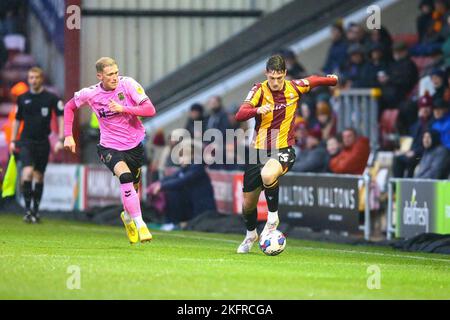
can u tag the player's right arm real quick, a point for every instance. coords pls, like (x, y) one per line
(81, 97)
(16, 125)
(252, 105)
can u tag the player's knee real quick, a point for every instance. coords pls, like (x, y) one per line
(27, 173)
(38, 176)
(268, 177)
(126, 177)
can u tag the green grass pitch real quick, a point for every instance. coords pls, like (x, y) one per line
(34, 262)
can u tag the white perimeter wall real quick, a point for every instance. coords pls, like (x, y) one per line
(149, 48)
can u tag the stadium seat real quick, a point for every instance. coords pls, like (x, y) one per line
(21, 61)
(5, 108)
(388, 129)
(409, 38)
(12, 76)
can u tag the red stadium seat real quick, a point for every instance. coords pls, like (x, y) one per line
(409, 38)
(388, 129)
(21, 61)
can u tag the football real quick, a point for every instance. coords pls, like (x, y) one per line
(272, 243)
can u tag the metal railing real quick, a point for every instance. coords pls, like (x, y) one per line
(358, 108)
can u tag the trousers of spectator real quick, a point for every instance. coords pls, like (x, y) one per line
(403, 163)
(179, 206)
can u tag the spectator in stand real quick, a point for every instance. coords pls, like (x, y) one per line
(378, 62)
(337, 54)
(354, 155)
(300, 132)
(12, 16)
(446, 44)
(436, 31)
(3, 53)
(355, 71)
(442, 121)
(218, 118)
(447, 89)
(295, 70)
(17, 90)
(188, 192)
(439, 85)
(435, 160)
(356, 34)
(314, 158)
(425, 19)
(440, 10)
(196, 122)
(407, 161)
(382, 38)
(307, 112)
(326, 119)
(334, 146)
(400, 79)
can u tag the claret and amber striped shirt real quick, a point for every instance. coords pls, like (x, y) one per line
(275, 130)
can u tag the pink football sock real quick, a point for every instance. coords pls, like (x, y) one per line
(130, 200)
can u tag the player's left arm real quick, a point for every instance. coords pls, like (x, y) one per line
(314, 81)
(144, 109)
(143, 106)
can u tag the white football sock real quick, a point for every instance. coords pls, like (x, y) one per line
(272, 217)
(127, 217)
(139, 222)
(251, 234)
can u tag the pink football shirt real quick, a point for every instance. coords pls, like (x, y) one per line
(119, 131)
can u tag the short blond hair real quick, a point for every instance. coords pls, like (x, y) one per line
(36, 70)
(104, 62)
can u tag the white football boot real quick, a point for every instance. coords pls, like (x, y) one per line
(269, 227)
(247, 244)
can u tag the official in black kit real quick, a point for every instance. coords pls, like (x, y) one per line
(35, 108)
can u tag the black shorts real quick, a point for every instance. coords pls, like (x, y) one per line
(34, 154)
(252, 174)
(134, 158)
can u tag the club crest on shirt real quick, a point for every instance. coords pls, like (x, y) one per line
(44, 112)
(121, 96)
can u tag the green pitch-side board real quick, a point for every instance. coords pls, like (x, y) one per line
(443, 207)
(422, 207)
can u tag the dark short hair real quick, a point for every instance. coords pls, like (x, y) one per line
(355, 132)
(276, 63)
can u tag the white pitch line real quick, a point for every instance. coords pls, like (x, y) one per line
(323, 249)
(297, 247)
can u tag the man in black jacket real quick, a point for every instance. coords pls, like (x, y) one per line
(401, 78)
(315, 157)
(407, 161)
(188, 192)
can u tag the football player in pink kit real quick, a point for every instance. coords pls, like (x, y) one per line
(117, 102)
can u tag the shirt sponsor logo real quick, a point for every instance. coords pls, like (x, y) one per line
(279, 107)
